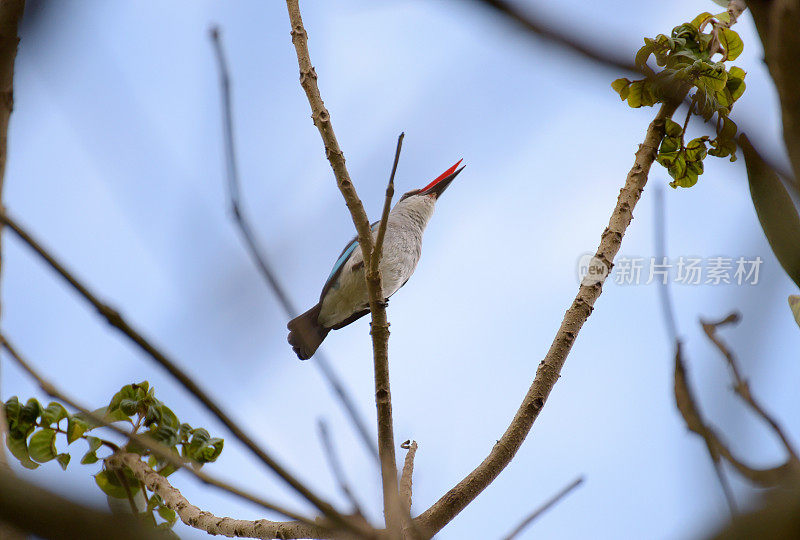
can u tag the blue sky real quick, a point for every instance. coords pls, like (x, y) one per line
(115, 162)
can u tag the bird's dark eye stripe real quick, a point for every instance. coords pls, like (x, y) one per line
(409, 194)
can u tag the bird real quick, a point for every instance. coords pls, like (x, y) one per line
(344, 298)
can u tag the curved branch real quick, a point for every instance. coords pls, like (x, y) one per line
(455, 500)
(206, 521)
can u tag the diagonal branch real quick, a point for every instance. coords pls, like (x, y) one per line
(377, 305)
(259, 256)
(548, 372)
(544, 508)
(741, 387)
(205, 521)
(154, 446)
(36, 511)
(115, 319)
(336, 467)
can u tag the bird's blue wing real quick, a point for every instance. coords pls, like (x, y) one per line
(347, 252)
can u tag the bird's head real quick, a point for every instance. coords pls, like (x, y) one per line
(435, 189)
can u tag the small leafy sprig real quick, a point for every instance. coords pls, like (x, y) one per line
(34, 429)
(686, 58)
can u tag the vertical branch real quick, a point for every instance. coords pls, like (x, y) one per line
(380, 352)
(377, 305)
(10, 15)
(406, 479)
(259, 256)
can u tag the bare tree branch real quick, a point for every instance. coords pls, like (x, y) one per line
(741, 387)
(668, 313)
(785, 474)
(10, 16)
(544, 508)
(205, 521)
(47, 515)
(336, 467)
(526, 20)
(548, 372)
(259, 255)
(115, 319)
(777, 23)
(157, 448)
(686, 404)
(408, 473)
(377, 305)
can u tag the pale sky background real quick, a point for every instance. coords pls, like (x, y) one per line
(116, 163)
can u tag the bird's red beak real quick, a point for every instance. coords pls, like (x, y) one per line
(440, 183)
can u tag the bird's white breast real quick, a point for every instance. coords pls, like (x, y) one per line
(402, 247)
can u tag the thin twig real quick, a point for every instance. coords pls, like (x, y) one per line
(115, 319)
(157, 448)
(668, 313)
(664, 292)
(380, 326)
(741, 386)
(258, 254)
(387, 206)
(548, 372)
(544, 508)
(406, 478)
(336, 467)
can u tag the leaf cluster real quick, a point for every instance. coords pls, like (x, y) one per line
(33, 430)
(686, 59)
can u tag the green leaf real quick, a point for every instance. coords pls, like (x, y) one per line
(736, 87)
(19, 449)
(168, 514)
(794, 304)
(775, 209)
(712, 78)
(732, 43)
(63, 460)
(736, 73)
(672, 128)
(696, 149)
(700, 19)
(168, 418)
(76, 427)
(644, 53)
(110, 484)
(154, 502)
(728, 130)
(621, 87)
(128, 406)
(724, 17)
(91, 455)
(42, 447)
(54, 413)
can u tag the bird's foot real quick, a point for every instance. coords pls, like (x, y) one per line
(384, 303)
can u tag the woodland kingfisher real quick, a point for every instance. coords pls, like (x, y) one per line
(344, 297)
